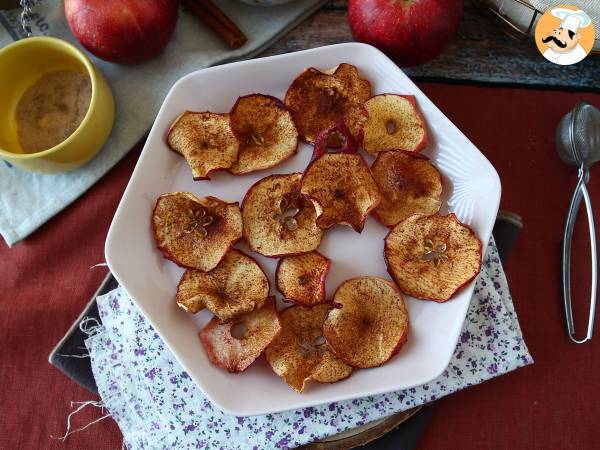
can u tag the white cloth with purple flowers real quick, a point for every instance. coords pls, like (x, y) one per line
(157, 405)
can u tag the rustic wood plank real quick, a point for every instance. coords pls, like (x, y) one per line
(328, 26)
(481, 52)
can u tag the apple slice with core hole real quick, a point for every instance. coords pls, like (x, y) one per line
(195, 232)
(340, 184)
(266, 133)
(235, 345)
(205, 140)
(432, 257)
(301, 279)
(299, 353)
(319, 100)
(369, 322)
(278, 221)
(394, 123)
(409, 184)
(236, 286)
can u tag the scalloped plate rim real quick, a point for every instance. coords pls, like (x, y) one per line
(129, 235)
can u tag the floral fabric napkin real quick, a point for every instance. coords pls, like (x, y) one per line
(157, 405)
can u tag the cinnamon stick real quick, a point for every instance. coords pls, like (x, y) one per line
(216, 19)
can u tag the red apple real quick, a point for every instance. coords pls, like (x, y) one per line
(409, 31)
(122, 31)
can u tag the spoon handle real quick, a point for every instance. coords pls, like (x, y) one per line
(580, 191)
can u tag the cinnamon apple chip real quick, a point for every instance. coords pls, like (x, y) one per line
(432, 257)
(195, 232)
(369, 323)
(236, 286)
(340, 184)
(301, 279)
(409, 184)
(319, 100)
(235, 345)
(266, 133)
(300, 354)
(277, 220)
(394, 123)
(205, 140)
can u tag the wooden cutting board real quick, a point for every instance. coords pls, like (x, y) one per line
(362, 435)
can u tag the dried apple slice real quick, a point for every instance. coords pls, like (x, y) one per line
(205, 140)
(236, 286)
(195, 232)
(277, 220)
(432, 257)
(266, 133)
(340, 184)
(233, 349)
(394, 123)
(301, 279)
(319, 100)
(369, 324)
(409, 184)
(299, 353)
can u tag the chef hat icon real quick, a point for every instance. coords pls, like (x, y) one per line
(571, 20)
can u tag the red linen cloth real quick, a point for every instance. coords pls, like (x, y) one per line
(45, 282)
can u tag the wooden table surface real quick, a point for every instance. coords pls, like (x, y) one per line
(328, 26)
(481, 52)
(554, 403)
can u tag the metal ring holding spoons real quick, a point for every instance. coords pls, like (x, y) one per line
(578, 143)
(26, 15)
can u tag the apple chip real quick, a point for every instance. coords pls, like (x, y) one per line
(301, 279)
(319, 100)
(277, 220)
(409, 184)
(432, 257)
(300, 354)
(236, 286)
(369, 323)
(195, 232)
(235, 345)
(394, 123)
(205, 140)
(340, 184)
(266, 133)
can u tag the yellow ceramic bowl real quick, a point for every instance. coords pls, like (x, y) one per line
(21, 65)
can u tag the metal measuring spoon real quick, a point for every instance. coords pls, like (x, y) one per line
(578, 144)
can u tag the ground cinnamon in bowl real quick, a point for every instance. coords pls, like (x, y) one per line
(52, 109)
